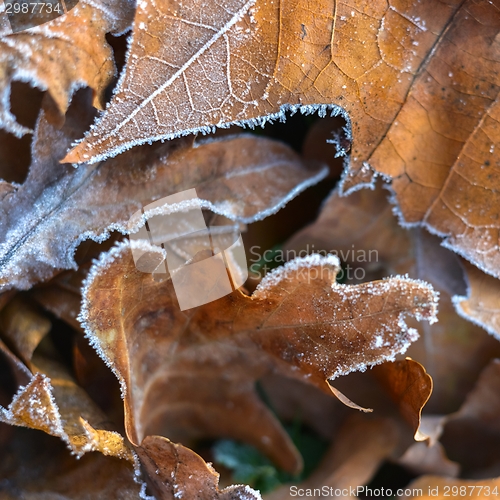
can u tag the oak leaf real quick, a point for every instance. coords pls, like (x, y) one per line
(203, 363)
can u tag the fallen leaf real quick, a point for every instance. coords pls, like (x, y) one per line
(357, 228)
(410, 386)
(63, 55)
(417, 81)
(51, 401)
(44, 220)
(441, 149)
(203, 363)
(481, 305)
(243, 61)
(61, 295)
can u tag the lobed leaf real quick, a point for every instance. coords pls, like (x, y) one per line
(202, 364)
(358, 229)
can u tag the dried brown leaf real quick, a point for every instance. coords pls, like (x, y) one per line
(419, 81)
(62, 55)
(203, 363)
(362, 230)
(410, 386)
(44, 220)
(266, 57)
(482, 303)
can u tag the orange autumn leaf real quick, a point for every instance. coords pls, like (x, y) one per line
(417, 81)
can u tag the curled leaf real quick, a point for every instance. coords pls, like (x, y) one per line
(410, 386)
(482, 303)
(203, 363)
